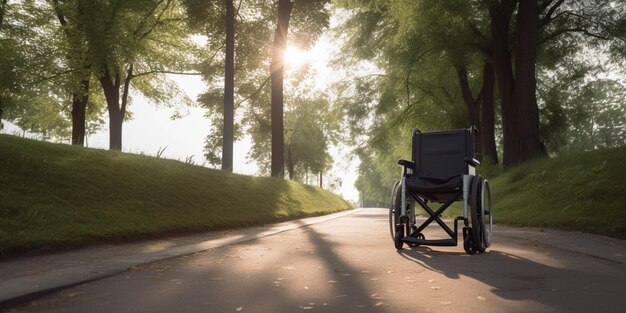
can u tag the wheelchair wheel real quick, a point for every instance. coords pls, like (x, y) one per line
(486, 213)
(397, 239)
(468, 245)
(477, 213)
(394, 209)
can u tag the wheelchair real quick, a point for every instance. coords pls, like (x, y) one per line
(443, 172)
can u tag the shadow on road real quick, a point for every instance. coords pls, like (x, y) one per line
(310, 273)
(579, 285)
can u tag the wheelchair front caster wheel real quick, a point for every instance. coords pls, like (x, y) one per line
(397, 239)
(468, 245)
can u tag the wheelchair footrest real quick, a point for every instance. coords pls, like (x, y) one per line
(432, 242)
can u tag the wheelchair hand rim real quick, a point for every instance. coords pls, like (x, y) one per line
(392, 209)
(486, 207)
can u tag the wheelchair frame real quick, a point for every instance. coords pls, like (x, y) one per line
(475, 195)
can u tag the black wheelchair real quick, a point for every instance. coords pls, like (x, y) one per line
(442, 171)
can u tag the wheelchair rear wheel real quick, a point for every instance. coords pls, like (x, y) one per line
(394, 209)
(486, 213)
(476, 237)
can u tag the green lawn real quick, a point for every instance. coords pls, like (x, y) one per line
(56, 196)
(582, 191)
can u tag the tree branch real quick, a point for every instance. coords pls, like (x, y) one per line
(167, 72)
(256, 92)
(548, 17)
(54, 76)
(129, 77)
(573, 30)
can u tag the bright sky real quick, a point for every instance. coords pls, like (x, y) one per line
(152, 129)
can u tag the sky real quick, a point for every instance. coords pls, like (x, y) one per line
(152, 129)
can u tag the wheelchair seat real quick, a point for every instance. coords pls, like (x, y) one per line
(435, 189)
(440, 159)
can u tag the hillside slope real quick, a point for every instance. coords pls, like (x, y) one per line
(582, 191)
(54, 196)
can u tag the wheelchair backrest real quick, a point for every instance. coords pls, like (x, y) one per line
(442, 154)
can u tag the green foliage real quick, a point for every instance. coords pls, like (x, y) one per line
(416, 47)
(151, 35)
(308, 135)
(56, 196)
(44, 67)
(254, 33)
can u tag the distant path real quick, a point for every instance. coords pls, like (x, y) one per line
(349, 265)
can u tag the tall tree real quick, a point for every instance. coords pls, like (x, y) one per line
(229, 89)
(136, 42)
(516, 77)
(277, 72)
(254, 36)
(68, 16)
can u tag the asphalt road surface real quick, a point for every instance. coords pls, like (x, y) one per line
(350, 265)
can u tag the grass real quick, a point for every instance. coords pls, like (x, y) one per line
(579, 192)
(57, 196)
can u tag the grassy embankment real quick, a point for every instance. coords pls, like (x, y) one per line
(56, 196)
(579, 191)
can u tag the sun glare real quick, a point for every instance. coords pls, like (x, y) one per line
(295, 57)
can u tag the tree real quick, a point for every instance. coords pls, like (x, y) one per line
(277, 72)
(256, 29)
(32, 71)
(413, 42)
(67, 14)
(229, 89)
(135, 42)
(308, 135)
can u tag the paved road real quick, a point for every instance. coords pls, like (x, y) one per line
(349, 265)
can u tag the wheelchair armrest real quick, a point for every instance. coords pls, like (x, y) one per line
(472, 162)
(406, 163)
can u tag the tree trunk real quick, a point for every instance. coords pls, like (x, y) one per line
(116, 119)
(321, 179)
(291, 167)
(277, 68)
(526, 143)
(487, 133)
(520, 114)
(473, 108)
(79, 111)
(111, 87)
(229, 89)
(3, 6)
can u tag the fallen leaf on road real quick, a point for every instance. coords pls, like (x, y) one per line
(306, 307)
(378, 303)
(239, 309)
(481, 298)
